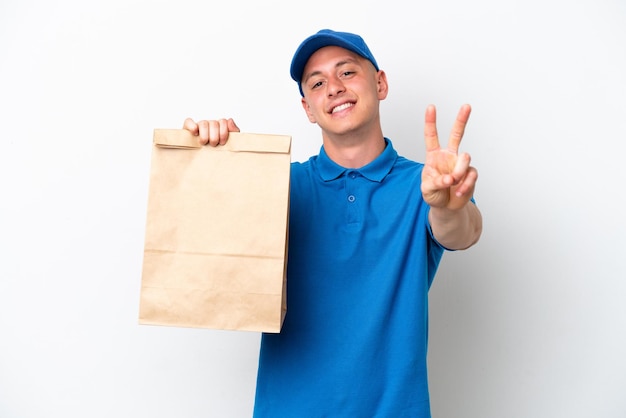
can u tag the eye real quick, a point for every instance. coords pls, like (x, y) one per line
(316, 85)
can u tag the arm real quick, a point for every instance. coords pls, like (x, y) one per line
(212, 132)
(448, 182)
(459, 229)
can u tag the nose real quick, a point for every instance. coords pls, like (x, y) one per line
(335, 86)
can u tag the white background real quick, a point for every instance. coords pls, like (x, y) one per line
(529, 323)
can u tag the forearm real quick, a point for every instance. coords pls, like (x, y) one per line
(456, 229)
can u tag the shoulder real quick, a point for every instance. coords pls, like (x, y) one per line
(302, 167)
(405, 169)
(302, 174)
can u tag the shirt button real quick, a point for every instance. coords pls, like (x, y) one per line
(351, 198)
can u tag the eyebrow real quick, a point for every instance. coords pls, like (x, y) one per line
(337, 65)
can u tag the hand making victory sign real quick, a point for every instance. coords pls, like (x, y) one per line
(448, 180)
(448, 183)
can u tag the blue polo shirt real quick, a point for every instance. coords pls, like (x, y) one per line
(361, 261)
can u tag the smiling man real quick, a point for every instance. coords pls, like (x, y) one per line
(367, 231)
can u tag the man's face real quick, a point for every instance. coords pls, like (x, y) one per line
(342, 90)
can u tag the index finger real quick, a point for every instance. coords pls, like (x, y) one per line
(430, 129)
(458, 128)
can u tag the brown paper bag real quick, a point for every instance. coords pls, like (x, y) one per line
(215, 250)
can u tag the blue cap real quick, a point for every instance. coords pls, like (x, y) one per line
(327, 37)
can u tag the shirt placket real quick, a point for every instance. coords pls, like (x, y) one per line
(353, 215)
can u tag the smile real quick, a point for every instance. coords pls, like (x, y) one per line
(342, 107)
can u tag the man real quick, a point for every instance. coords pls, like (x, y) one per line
(367, 231)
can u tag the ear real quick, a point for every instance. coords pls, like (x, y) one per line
(383, 87)
(307, 109)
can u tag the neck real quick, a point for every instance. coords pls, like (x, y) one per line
(354, 150)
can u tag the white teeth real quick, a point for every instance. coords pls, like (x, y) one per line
(342, 107)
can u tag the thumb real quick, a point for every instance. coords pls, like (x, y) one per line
(232, 126)
(191, 126)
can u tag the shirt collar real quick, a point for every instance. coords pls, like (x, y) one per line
(374, 171)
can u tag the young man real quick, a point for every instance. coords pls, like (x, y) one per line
(367, 231)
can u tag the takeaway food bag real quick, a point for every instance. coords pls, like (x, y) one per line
(215, 252)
